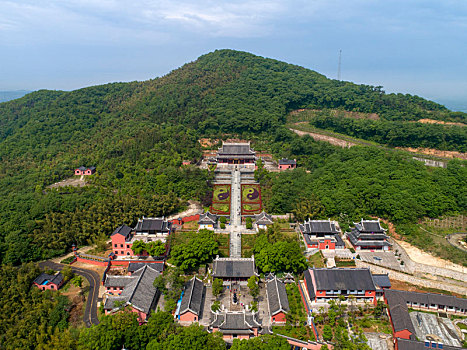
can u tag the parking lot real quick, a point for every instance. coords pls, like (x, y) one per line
(386, 259)
(434, 328)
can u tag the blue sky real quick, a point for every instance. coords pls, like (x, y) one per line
(409, 46)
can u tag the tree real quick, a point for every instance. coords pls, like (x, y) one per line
(217, 287)
(216, 306)
(263, 342)
(379, 309)
(254, 306)
(138, 247)
(253, 286)
(200, 250)
(67, 273)
(155, 248)
(308, 208)
(170, 283)
(327, 332)
(249, 223)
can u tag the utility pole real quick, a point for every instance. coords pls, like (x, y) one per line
(339, 66)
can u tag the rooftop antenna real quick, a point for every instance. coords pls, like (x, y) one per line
(339, 66)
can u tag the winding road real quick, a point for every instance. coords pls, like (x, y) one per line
(90, 313)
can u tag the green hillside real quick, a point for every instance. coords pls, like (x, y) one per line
(138, 133)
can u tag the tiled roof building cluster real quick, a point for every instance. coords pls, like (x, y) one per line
(136, 291)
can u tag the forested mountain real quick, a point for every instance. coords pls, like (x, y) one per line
(138, 133)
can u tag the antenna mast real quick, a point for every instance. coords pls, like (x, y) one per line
(339, 66)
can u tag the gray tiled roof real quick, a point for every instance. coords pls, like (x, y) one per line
(234, 268)
(54, 279)
(373, 240)
(118, 281)
(319, 226)
(430, 298)
(240, 149)
(134, 266)
(285, 161)
(193, 296)
(263, 219)
(207, 218)
(309, 284)
(369, 226)
(406, 344)
(152, 224)
(398, 310)
(277, 297)
(140, 292)
(343, 279)
(235, 322)
(381, 280)
(123, 230)
(82, 168)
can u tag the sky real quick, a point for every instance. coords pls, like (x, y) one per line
(408, 46)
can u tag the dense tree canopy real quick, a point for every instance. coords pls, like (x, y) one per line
(199, 250)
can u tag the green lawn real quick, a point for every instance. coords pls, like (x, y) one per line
(223, 240)
(345, 263)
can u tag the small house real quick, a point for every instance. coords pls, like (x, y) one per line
(278, 302)
(82, 170)
(262, 221)
(45, 281)
(208, 221)
(285, 164)
(192, 301)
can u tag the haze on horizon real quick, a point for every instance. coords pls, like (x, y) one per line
(416, 47)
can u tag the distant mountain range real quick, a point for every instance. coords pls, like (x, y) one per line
(12, 95)
(454, 105)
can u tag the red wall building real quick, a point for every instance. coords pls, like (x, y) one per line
(45, 281)
(85, 170)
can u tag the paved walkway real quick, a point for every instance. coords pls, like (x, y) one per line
(235, 217)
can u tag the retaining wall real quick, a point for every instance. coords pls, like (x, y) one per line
(412, 279)
(413, 266)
